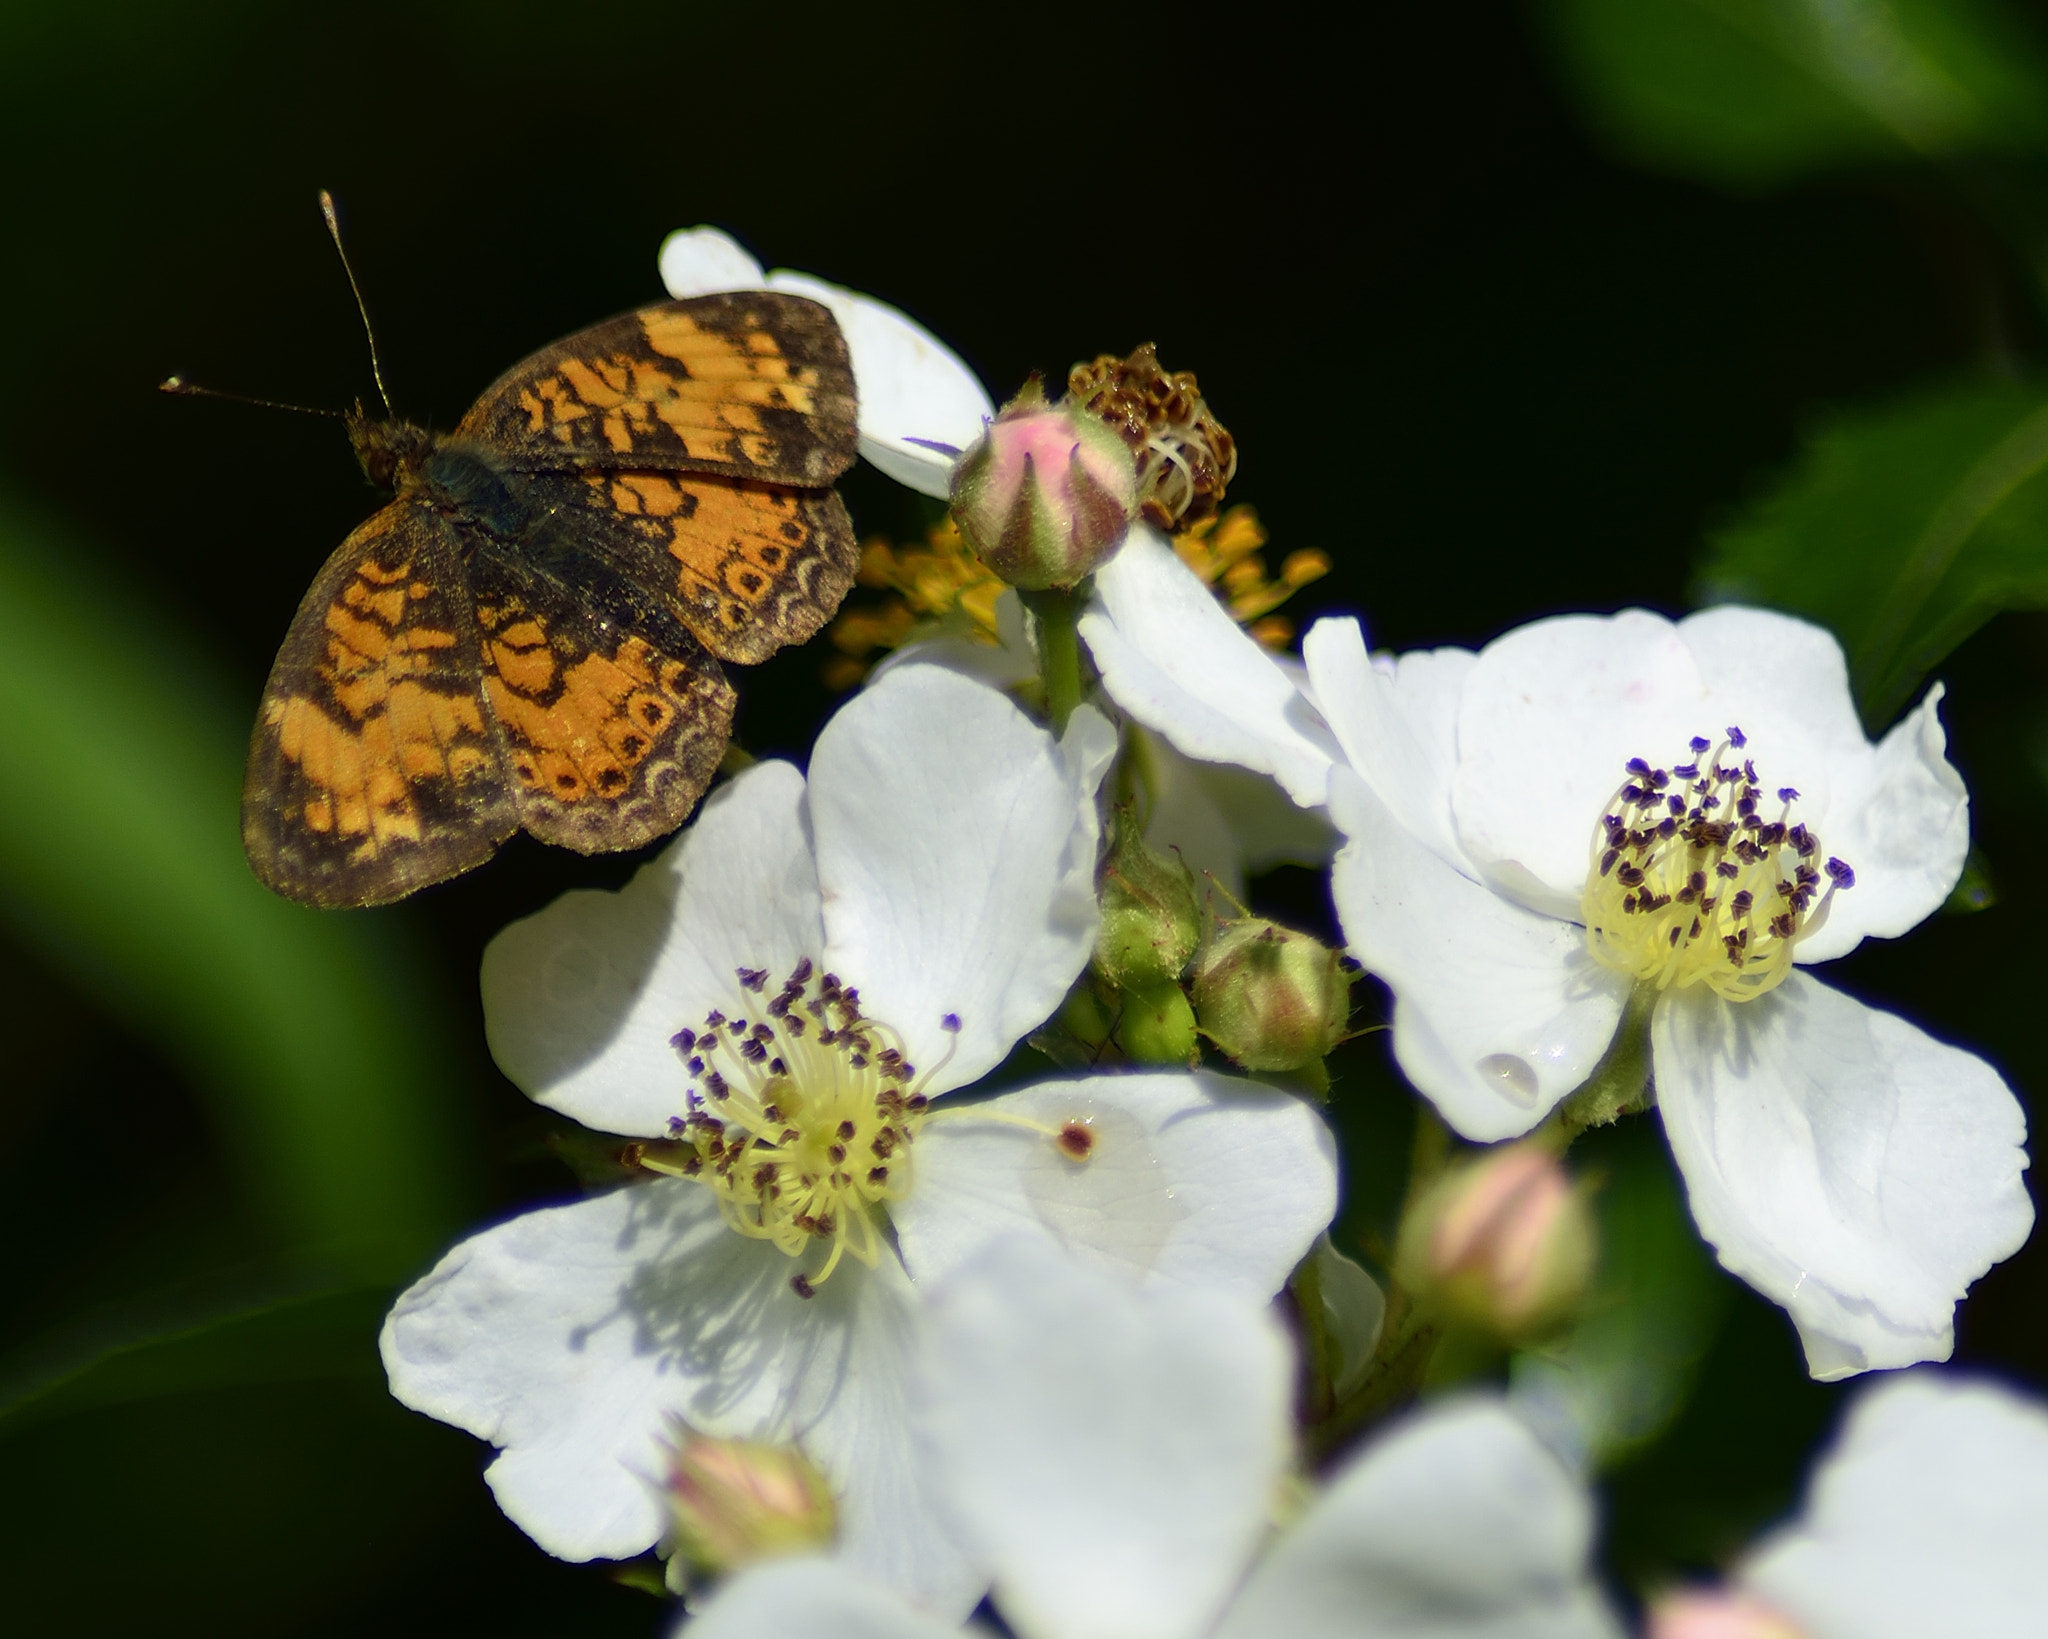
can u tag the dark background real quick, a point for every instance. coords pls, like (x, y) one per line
(1493, 371)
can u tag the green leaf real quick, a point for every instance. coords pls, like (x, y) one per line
(309, 1035)
(221, 1334)
(1756, 93)
(1903, 529)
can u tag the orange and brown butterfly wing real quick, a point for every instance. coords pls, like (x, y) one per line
(752, 384)
(612, 716)
(695, 441)
(375, 768)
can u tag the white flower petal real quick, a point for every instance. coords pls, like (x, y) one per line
(1111, 1453)
(1845, 1164)
(947, 827)
(1458, 1524)
(1398, 726)
(892, 1526)
(581, 999)
(1498, 1012)
(810, 1596)
(1549, 716)
(1763, 666)
(1901, 819)
(1171, 656)
(703, 261)
(911, 385)
(1194, 1180)
(1930, 1516)
(571, 1336)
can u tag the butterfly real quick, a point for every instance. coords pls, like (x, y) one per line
(529, 635)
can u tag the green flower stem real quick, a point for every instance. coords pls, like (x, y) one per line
(1059, 650)
(1619, 1080)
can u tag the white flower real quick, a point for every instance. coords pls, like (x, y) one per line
(1840, 1160)
(1928, 1517)
(780, 996)
(914, 390)
(1114, 1459)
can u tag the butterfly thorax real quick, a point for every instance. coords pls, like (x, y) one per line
(391, 451)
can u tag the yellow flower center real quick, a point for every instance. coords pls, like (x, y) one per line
(800, 1121)
(1693, 883)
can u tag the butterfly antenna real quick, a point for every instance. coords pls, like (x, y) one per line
(186, 389)
(369, 335)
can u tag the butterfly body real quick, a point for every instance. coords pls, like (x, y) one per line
(529, 635)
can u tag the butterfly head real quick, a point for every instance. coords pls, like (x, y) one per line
(391, 451)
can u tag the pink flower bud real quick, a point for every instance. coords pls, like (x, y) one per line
(1046, 494)
(1698, 1614)
(1504, 1243)
(735, 1501)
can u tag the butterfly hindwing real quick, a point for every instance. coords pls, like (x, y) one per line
(613, 717)
(753, 384)
(748, 567)
(375, 768)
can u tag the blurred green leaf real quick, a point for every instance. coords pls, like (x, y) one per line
(1620, 1377)
(1755, 93)
(1903, 529)
(274, 1331)
(310, 1035)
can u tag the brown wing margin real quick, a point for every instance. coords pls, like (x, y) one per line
(374, 769)
(749, 384)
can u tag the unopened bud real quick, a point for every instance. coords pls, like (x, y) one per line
(1505, 1243)
(1151, 920)
(1157, 1025)
(1716, 1615)
(1270, 998)
(732, 1502)
(1046, 493)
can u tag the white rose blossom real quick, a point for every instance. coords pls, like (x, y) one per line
(919, 404)
(1690, 792)
(1927, 1517)
(780, 997)
(1114, 1459)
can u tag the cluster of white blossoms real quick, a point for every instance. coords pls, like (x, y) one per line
(1025, 1331)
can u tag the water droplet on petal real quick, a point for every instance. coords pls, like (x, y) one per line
(1512, 1075)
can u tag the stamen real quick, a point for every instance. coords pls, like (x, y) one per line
(1691, 899)
(798, 1093)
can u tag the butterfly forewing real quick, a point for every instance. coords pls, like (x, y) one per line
(754, 384)
(375, 768)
